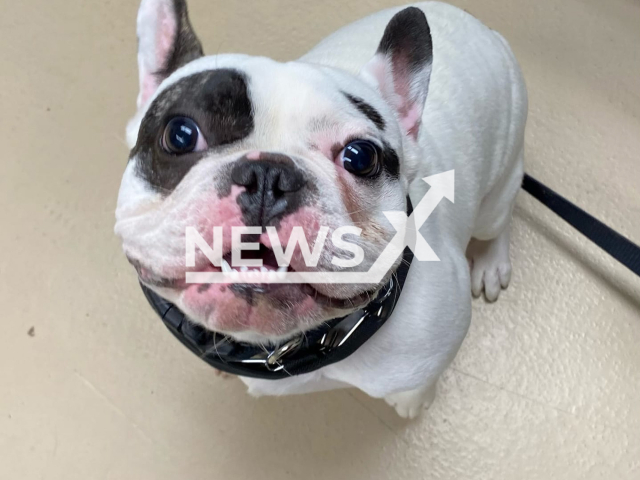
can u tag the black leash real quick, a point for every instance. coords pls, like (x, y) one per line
(619, 247)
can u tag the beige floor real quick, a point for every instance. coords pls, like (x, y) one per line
(546, 386)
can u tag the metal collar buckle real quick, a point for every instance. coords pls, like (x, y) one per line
(272, 362)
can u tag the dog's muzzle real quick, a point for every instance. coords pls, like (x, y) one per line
(305, 352)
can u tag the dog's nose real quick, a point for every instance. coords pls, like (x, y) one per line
(273, 187)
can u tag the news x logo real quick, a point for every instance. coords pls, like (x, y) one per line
(249, 271)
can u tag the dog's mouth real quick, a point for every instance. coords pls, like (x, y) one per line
(264, 255)
(268, 264)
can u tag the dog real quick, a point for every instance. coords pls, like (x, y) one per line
(332, 139)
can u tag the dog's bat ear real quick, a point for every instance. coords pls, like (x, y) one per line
(166, 42)
(401, 67)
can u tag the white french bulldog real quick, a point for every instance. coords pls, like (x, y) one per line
(335, 138)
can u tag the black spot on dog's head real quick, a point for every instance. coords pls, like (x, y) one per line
(217, 100)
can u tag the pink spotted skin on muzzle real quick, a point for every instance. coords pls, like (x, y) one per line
(268, 309)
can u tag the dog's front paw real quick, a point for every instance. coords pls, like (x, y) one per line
(412, 403)
(490, 266)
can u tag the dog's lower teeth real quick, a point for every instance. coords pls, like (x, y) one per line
(282, 269)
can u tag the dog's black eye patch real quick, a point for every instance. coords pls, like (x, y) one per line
(367, 110)
(216, 100)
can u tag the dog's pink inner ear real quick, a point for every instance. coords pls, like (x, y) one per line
(401, 68)
(166, 41)
(149, 63)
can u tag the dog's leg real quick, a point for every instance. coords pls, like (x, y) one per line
(488, 250)
(411, 403)
(490, 265)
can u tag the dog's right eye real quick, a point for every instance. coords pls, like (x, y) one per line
(361, 158)
(181, 135)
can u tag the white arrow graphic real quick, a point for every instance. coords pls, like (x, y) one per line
(407, 235)
(408, 228)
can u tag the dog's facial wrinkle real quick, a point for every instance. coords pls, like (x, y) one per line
(217, 100)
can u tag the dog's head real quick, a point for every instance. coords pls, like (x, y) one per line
(233, 140)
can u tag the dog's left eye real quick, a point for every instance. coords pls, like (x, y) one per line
(181, 135)
(361, 158)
